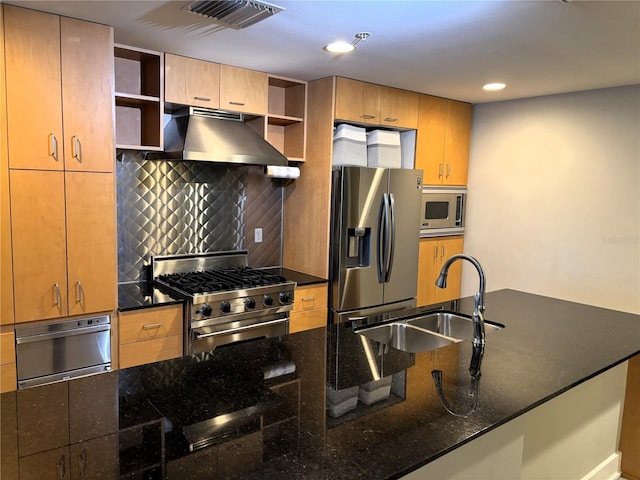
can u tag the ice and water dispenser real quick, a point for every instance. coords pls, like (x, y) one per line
(359, 247)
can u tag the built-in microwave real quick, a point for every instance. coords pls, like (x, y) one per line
(442, 211)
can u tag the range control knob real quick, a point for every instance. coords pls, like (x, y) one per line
(284, 297)
(225, 307)
(267, 300)
(205, 310)
(250, 303)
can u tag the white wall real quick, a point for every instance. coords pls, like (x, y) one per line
(554, 197)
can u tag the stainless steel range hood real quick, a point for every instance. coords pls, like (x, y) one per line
(215, 136)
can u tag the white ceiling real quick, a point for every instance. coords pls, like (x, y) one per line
(445, 48)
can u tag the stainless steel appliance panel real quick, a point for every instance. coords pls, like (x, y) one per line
(358, 199)
(405, 192)
(50, 352)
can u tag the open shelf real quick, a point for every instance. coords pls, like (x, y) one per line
(285, 118)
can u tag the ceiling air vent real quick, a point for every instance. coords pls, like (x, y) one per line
(235, 14)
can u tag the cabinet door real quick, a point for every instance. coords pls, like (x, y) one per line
(189, 81)
(6, 267)
(449, 246)
(357, 101)
(96, 459)
(457, 140)
(430, 143)
(91, 242)
(49, 465)
(87, 95)
(243, 90)
(428, 261)
(240, 456)
(398, 108)
(39, 244)
(34, 104)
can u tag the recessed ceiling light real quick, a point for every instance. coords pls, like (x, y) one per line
(339, 47)
(492, 87)
(342, 46)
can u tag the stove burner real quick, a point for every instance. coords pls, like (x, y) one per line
(220, 279)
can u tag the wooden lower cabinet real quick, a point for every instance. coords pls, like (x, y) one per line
(309, 308)
(8, 379)
(149, 335)
(630, 433)
(432, 255)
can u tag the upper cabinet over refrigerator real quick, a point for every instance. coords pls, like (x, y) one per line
(374, 237)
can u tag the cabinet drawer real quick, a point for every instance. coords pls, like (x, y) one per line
(8, 378)
(310, 297)
(300, 321)
(155, 350)
(149, 324)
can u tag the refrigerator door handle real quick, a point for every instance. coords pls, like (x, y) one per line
(391, 222)
(383, 229)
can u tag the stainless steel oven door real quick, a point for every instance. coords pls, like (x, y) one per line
(55, 351)
(205, 338)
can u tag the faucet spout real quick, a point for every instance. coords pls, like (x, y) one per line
(479, 303)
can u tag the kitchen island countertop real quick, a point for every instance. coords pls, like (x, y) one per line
(269, 396)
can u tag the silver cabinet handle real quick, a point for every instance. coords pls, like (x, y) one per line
(82, 462)
(308, 299)
(448, 170)
(56, 294)
(440, 166)
(203, 99)
(76, 150)
(441, 251)
(53, 146)
(368, 117)
(236, 103)
(79, 292)
(151, 326)
(435, 252)
(389, 119)
(61, 468)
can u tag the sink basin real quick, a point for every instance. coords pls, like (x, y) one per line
(451, 324)
(407, 337)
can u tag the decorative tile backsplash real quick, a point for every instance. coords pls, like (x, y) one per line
(176, 207)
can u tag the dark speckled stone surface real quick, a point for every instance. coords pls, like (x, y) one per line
(279, 428)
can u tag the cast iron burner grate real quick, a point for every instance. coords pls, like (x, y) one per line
(220, 279)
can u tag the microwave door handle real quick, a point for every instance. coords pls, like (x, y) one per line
(392, 237)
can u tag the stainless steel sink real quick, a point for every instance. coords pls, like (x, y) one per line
(451, 324)
(426, 332)
(407, 337)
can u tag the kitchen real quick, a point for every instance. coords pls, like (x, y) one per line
(617, 246)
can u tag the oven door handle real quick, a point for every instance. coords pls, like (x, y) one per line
(64, 333)
(200, 336)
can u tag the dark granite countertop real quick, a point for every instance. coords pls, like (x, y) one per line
(136, 295)
(257, 427)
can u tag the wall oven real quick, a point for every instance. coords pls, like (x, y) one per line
(49, 352)
(442, 211)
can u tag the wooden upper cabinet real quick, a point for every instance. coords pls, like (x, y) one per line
(91, 242)
(34, 104)
(189, 81)
(39, 244)
(58, 70)
(442, 149)
(357, 101)
(243, 90)
(399, 108)
(87, 95)
(364, 102)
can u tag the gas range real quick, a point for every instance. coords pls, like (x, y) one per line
(225, 300)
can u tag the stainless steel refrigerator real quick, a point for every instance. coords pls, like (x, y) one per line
(375, 230)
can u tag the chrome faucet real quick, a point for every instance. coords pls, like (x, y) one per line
(479, 306)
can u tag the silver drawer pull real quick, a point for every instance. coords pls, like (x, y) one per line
(236, 103)
(308, 299)
(389, 119)
(202, 99)
(151, 326)
(53, 146)
(76, 151)
(367, 116)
